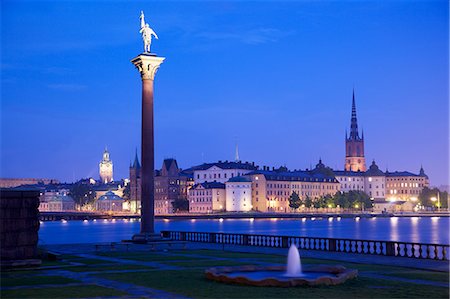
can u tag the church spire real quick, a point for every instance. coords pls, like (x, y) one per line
(236, 157)
(354, 122)
(136, 163)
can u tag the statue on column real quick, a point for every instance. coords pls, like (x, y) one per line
(147, 33)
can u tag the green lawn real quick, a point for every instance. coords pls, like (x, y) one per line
(19, 280)
(190, 280)
(146, 256)
(111, 267)
(423, 275)
(192, 283)
(85, 291)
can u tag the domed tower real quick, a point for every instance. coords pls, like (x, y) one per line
(354, 145)
(106, 168)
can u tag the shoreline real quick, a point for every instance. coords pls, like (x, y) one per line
(52, 216)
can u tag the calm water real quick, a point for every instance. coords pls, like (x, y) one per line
(409, 229)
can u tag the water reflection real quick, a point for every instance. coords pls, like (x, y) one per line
(394, 229)
(414, 229)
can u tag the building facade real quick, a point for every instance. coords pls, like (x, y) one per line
(109, 202)
(221, 171)
(354, 145)
(170, 185)
(207, 197)
(135, 186)
(238, 193)
(372, 181)
(404, 185)
(106, 168)
(271, 189)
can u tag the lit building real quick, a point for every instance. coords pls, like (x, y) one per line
(354, 145)
(221, 171)
(238, 194)
(109, 202)
(404, 185)
(372, 181)
(207, 197)
(106, 168)
(170, 184)
(271, 189)
(375, 182)
(135, 186)
(58, 201)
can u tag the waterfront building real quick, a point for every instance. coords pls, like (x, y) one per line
(207, 197)
(221, 171)
(271, 189)
(170, 185)
(354, 145)
(106, 168)
(375, 182)
(238, 192)
(350, 180)
(372, 181)
(109, 202)
(404, 185)
(58, 201)
(135, 185)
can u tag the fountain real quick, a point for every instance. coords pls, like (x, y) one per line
(283, 276)
(293, 266)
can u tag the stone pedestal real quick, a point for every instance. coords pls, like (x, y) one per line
(147, 64)
(19, 226)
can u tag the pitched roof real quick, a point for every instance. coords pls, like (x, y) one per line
(400, 174)
(298, 175)
(226, 165)
(374, 170)
(210, 185)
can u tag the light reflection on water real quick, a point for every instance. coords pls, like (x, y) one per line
(407, 229)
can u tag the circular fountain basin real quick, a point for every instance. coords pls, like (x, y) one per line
(275, 276)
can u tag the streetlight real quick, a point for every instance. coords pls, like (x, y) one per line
(433, 199)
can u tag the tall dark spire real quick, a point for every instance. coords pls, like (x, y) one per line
(136, 163)
(354, 122)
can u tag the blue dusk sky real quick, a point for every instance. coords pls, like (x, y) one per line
(275, 76)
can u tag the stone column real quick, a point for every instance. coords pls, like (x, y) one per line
(147, 64)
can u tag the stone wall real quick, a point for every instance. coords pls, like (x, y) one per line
(19, 225)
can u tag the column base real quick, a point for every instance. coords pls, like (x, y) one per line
(146, 237)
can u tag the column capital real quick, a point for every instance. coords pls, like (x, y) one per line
(147, 64)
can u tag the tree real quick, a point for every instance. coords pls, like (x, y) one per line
(308, 202)
(352, 199)
(294, 201)
(126, 192)
(82, 193)
(426, 194)
(180, 205)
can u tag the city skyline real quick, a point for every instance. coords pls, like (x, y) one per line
(82, 88)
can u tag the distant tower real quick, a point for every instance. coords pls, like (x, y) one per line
(106, 168)
(135, 185)
(354, 145)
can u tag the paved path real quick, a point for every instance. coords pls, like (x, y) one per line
(129, 262)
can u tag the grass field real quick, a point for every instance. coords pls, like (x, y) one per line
(189, 280)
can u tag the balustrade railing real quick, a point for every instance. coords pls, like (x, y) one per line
(387, 248)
